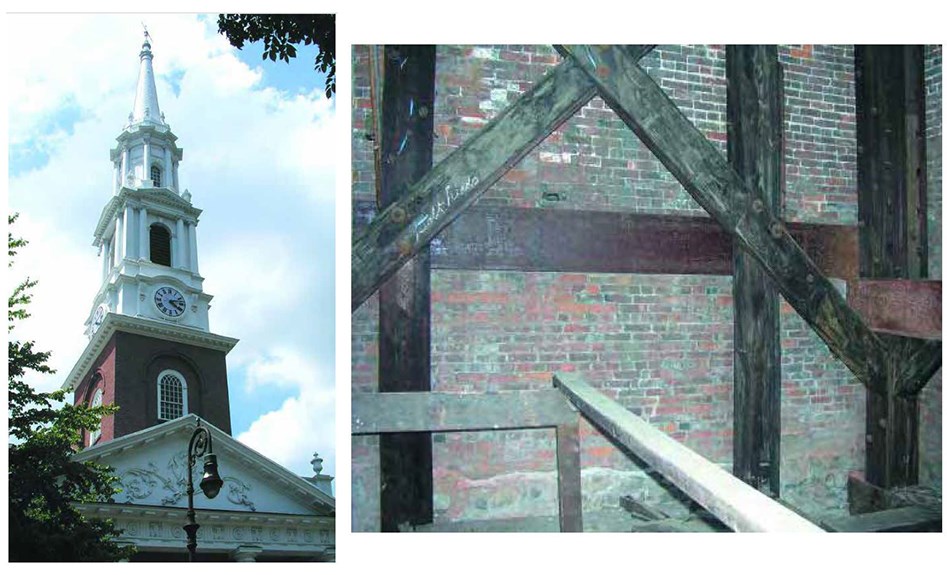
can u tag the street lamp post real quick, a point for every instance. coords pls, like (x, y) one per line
(200, 445)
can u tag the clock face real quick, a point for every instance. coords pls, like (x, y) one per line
(170, 302)
(98, 316)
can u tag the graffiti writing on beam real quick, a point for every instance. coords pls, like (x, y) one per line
(441, 203)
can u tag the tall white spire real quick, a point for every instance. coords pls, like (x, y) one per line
(146, 97)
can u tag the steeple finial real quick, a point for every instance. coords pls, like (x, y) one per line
(146, 97)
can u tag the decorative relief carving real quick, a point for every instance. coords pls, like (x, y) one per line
(138, 483)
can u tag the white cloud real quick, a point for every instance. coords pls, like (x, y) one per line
(259, 163)
(301, 426)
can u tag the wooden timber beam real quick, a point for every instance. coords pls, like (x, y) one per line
(739, 209)
(374, 413)
(582, 241)
(402, 228)
(404, 300)
(902, 519)
(755, 151)
(388, 413)
(903, 307)
(892, 211)
(732, 501)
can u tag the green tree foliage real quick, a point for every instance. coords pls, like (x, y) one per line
(280, 32)
(44, 480)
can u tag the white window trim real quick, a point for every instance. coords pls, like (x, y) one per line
(96, 433)
(178, 375)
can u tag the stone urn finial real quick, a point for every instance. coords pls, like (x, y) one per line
(316, 463)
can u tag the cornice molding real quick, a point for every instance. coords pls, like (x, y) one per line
(142, 326)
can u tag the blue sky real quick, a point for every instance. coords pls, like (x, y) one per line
(258, 159)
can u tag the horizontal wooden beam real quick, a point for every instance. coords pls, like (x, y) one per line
(902, 519)
(457, 181)
(441, 412)
(735, 503)
(703, 171)
(583, 241)
(902, 307)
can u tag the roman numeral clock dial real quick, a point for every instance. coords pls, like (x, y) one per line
(170, 301)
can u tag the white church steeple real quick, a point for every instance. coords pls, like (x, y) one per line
(147, 233)
(146, 97)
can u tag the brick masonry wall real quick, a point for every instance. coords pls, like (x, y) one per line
(660, 345)
(931, 402)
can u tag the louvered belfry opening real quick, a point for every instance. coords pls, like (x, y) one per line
(160, 245)
(156, 176)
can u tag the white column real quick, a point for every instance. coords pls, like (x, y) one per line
(177, 186)
(106, 258)
(146, 161)
(119, 239)
(168, 182)
(116, 179)
(247, 553)
(124, 165)
(128, 235)
(192, 241)
(181, 245)
(144, 241)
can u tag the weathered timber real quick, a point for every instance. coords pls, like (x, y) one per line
(374, 413)
(863, 497)
(404, 304)
(560, 240)
(892, 211)
(733, 502)
(635, 507)
(569, 469)
(397, 233)
(739, 209)
(916, 361)
(891, 166)
(904, 307)
(754, 150)
(902, 519)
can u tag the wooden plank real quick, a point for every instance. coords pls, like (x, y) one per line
(889, 86)
(905, 307)
(735, 503)
(396, 234)
(441, 412)
(404, 304)
(583, 241)
(569, 469)
(740, 210)
(635, 507)
(903, 519)
(754, 150)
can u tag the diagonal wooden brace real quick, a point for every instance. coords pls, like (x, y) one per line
(456, 182)
(741, 211)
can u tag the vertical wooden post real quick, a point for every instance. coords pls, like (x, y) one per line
(754, 149)
(404, 338)
(892, 213)
(569, 467)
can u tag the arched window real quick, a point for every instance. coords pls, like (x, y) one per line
(172, 395)
(156, 176)
(160, 245)
(96, 433)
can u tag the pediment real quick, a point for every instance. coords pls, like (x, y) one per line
(152, 469)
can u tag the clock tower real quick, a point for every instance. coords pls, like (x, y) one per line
(150, 348)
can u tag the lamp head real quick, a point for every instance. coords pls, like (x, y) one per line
(211, 481)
